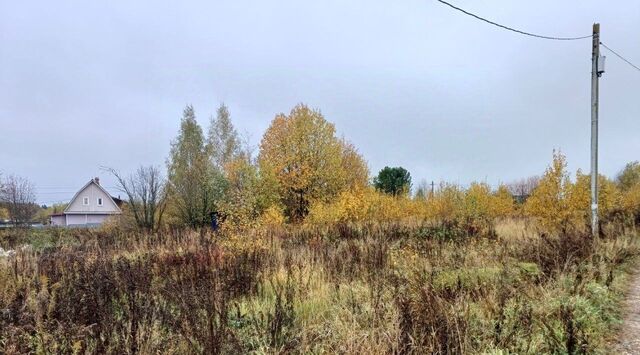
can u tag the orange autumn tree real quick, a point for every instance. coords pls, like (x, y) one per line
(308, 162)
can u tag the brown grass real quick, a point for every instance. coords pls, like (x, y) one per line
(369, 288)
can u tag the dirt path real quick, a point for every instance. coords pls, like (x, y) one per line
(629, 340)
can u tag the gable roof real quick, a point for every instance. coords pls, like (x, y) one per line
(94, 182)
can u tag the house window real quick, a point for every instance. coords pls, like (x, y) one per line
(99, 201)
(85, 201)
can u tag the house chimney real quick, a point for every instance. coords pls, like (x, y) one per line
(97, 180)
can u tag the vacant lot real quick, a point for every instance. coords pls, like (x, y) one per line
(409, 287)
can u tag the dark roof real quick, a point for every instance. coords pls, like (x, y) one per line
(118, 201)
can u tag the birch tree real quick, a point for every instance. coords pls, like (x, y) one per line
(222, 139)
(195, 186)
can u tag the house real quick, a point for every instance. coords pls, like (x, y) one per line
(90, 206)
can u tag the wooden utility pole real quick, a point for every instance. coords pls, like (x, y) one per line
(596, 70)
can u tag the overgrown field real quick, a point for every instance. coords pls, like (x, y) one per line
(408, 287)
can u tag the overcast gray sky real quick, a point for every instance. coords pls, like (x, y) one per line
(410, 83)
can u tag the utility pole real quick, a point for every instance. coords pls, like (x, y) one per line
(432, 185)
(597, 68)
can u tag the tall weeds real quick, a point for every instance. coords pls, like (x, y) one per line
(406, 288)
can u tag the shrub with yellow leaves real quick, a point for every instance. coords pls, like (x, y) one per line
(557, 203)
(272, 216)
(362, 204)
(482, 206)
(477, 202)
(579, 198)
(630, 202)
(350, 206)
(445, 204)
(549, 203)
(503, 204)
(478, 206)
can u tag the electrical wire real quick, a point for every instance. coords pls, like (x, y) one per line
(620, 56)
(513, 29)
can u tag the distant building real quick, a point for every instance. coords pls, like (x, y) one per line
(520, 198)
(90, 206)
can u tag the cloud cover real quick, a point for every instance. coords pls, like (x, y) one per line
(410, 83)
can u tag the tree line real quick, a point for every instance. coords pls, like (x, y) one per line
(215, 174)
(300, 163)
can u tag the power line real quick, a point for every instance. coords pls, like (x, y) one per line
(50, 202)
(510, 28)
(56, 192)
(620, 56)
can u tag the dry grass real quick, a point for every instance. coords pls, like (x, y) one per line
(369, 288)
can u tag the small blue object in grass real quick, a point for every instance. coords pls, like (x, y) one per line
(214, 221)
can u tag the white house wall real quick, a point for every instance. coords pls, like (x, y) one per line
(58, 220)
(82, 219)
(93, 192)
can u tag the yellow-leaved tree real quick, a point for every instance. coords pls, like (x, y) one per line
(549, 203)
(558, 204)
(579, 198)
(301, 153)
(355, 171)
(482, 205)
(503, 204)
(629, 184)
(477, 205)
(445, 205)
(630, 202)
(475, 208)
